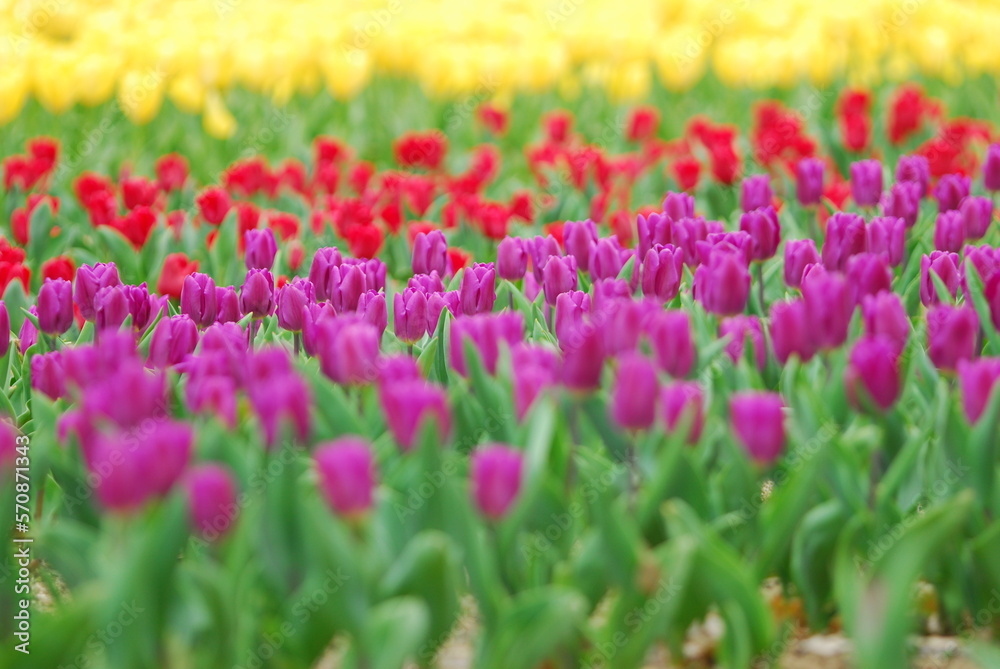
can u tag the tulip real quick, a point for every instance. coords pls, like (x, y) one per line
(55, 306)
(683, 400)
(28, 335)
(396, 369)
(991, 168)
(199, 299)
(278, 395)
(607, 258)
(111, 305)
(874, 366)
(478, 289)
(653, 230)
(143, 307)
(173, 340)
(828, 306)
(436, 305)
(321, 270)
(4, 329)
(534, 368)
(512, 259)
(678, 205)
(213, 393)
(902, 201)
(985, 259)
(799, 254)
(687, 232)
(486, 332)
(541, 249)
(885, 317)
(411, 405)
(227, 302)
(372, 309)
(977, 379)
(738, 241)
(609, 291)
(211, 496)
(213, 204)
(292, 299)
(737, 328)
(845, 236)
(621, 322)
(945, 265)
(887, 236)
(496, 472)
(582, 364)
(951, 189)
(949, 231)
(914, 169)
(89, 280)
(430, 253)
(348, 351)
(952, 335)
(48, 375)
(764, 230)
(580, 240)
(426, 283)
(867, 274)
(809, 181)
(347, 475)
(409, 315)
(673, 342)
(866, 182)
(723, 285)
(261, 248)
(759, 424)
(755, 192)
(571, 307)
(790, 331)
(634, 394)
(977, 214)
(347, 284)
(257, 294)
(662, 269)
(559, 276)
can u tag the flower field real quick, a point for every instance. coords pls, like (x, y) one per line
(382, 335)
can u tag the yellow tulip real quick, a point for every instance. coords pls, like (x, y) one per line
(217, 120)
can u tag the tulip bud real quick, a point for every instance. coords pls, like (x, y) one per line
(828, 307)
(348, 350)
(873, 366)
(949, 231)
(409, 315)
(430, 253)
(652, 231)
(914, 169)
(737, 328)
(213, 205)
(512, 258)
(902, 201)
(845, 236)
(755, 192)
(799, 254)
(582, 364)
(89, 280)
(55, 306)
(559, 276)
(173, 340)
(571, 307)
(866, 182)
(951, 189)
(290, 303)
(347, 284)
(437, 303)
(952, 335)
(199, 299)
(261, 248)
(211, 495)
(111, 306)
(478, 289)
(977, 379)
(885, 317)
(809, 181)
(541, 249)
(887, 236)
(633, 397)
(723, 284)
(977, 214)
(673, 342)
(372, 309)
(320, 271)
(662, 269)
(790, 331)
(48, 375)
(534, 368)
(410, 405)
(486, 332)
(580, 240)
(678, 206)
(496, 471)
(945, 265)
(758, 421)
(28, 333)
(4, 329)
(684, 400)
(143, 307)
(347, 474)
(764, 230)
(607, 258)
(991, 168)
(257, 293)
(227, 302)
(867, 274)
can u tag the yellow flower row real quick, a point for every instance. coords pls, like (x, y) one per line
(66, 52)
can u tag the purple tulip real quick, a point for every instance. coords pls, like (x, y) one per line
(580, 239)
(656, 229)
(430, 253)
(409, 406)
(885, 317)
(809, 181)
(495, 471)
(347, 475)
(622, 322)
(952, 335)
(866, 182)
(173, 340)
(867, 274)
(799, 254)
(736, 241)
(4, 329)
(257, 294)
(607, 258)
(571, 309)
(478, 289)
(559, 276)
(321, 269)
(828, 307)
(673, 342)
(949, 231)
(607, 291)
(199, 299)
(534, 369)
(348, 283)
(977, 214)
(758, 420)
(372, 308)
(977, 379)
(212, 393)
(48, 375)
(111, 307)
(738, 328)
(278, 395)
(945, 265)
(486, 332)
(874, 368)
(291, 302)
(662, 269)
(887, 236)
(902, 201)
(396, 369)
(684, 400)
(143, 307)
(687, 232)
(845, 236)
(790, 331)
(512, 258)
(89, 280)
(211, 495)
(764, 230)
(678, 206)
(634, 394)
(951, 189)
(374, 270)
(541, 249)
(582, 364)
(723, 284)
(28, 335)
(914, 169)
(409, 315)
(755, 192)
(348, 350)
(991, 168)
(985, 259)
(426, 283)
(227, 302)
(55, 306)
(261, 248)
(437, 303)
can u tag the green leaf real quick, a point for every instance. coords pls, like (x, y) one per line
(537, 625)
(396, 630)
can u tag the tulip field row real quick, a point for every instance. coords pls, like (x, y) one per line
(588, 384)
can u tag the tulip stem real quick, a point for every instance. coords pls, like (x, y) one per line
(253, 331)
(759, 270)
(510, 298)
(409, 349)
(296, 343)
